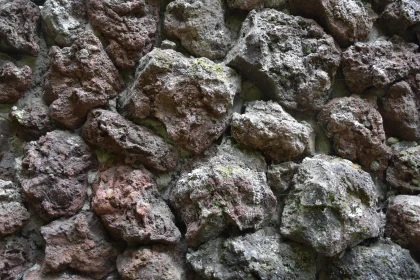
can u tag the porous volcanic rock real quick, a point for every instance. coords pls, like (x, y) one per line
(332, 205)
(13, 213)
(227, 190)
(357, 132)
(36, 273)
(379, 63)
(290, 58)
(80, 78)
(79, 243)
(114, 133)
(404, 170)
(64, 19)
(131, 27)
(14, 81)
(155, 262)
(129, 205)
(348, 21)
(381, 260)
(267, 127)
(245, 4)
(280, 176)
(400, 15)
(261, 254)
(55, 173)
(192, 97)
(5, 133)
(19, 25)
(14, 252)
(200, 26)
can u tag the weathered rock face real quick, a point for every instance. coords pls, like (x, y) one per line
(13, 213)
(267, 127)
(404, 171)
(131, 208)
(331, 206)
(63, 20)
(380, 63)
(80, 78)
(383, 260)
(228, 189)
(156, 262)
(356, 130)
(14, 259)
(348, 21)
(290, 58)
(78, 243)
(55, 173)
(14, 81)
(260, 255)
(192, 97)
(280, 176)
(112, 132)
(35, 273)
(200, 26)
(19, 24)
(399, 15)
(5, 134)
(245, 4)
(130, 26)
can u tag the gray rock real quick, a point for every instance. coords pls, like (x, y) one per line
(192, 97)
(260, 255)
(291, 59)
(331, 206)
(245, 4)
(35, 273)
(279, 176)
(404, 170)
(400, 15)
(267, 127)
(14, 81)
(14, 252)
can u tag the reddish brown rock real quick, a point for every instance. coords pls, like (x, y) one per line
(357, 132)
(19, 24)
(14, 81)
(130, 26)
(14, 258)
(36, 273)
(79, 243)
(130, 207)
(55, 173)
(112, 132)
(80, 78)
(404, 170)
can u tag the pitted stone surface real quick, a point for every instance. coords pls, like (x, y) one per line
(14, 81)
(404, 170)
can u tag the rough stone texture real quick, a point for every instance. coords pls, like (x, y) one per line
(14, 81)
(35, 273)
(399, 15)
(379, 63)
(131, 27)
(356, 130)
(78, 243)
(55, 173)
(227, 190)
(19, 24)
(260, 255)
(13, 213)
(200, 26)
(383, 260)
(404, 170)
(130, 207)
(280, 176)
(348, 21)
(192, 97)
(14, 252)
(245, 4)
(64, 19)
(291, 59)
(112, 132)
(156, 262)
(400, 109)
(331, 206)
(80, 78)
(267, 127)
(5, 133)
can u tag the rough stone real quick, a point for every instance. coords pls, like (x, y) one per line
(404, 170)
(379, 63)
(291, 59)
(55, 173)
(156, 262)
(130, 207)
(260, 255)
(192, 97)
(400, 15)
(280, 176)
(64, 19)
(131, 27)
(356, 129)
(79, 243)
(14, 252)
(226, 190)
(267, 127)
(5, 133)
(14, 81)
(19, 25)
(200, 26)
(247, 5)
(80, 78)
(348, 21)
(36, 273)
(331, 206)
